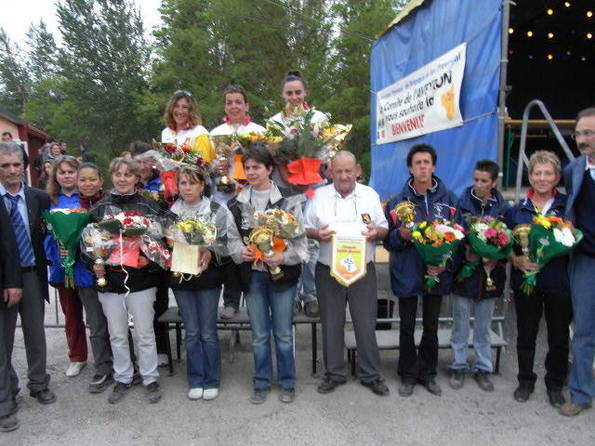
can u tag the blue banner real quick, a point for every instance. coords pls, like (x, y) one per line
(428, 32)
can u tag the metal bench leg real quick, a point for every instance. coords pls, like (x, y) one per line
(498, 351)
(232, 343)
(314, 349)
(178, 339)
(170, 360)
(353, 361)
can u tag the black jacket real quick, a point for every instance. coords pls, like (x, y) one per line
(10, 272)
(139, 279)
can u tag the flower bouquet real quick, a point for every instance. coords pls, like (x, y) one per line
(305, 145)
(436, 241)
(66, 226)
(190, 235)
(97, 244)
(271, 230)
(126, 223)
(489, 239)
(548, 237)
(172, 156)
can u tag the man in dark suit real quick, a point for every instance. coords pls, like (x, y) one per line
(579, 178)
(24, 206)
(11, 283)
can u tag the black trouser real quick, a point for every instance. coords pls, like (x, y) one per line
(558, 314)
(418, 365)
(232, 291)
(161, 304)
(333, 298)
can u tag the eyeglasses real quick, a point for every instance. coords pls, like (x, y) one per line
(182, 93)
(585, 133)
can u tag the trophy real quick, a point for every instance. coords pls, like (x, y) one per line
(263, 238)
(490, 285)
(521, 236)
(97, 244)
(405, 211)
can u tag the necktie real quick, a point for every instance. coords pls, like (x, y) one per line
(20, 232)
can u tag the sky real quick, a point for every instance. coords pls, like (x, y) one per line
(17, 15)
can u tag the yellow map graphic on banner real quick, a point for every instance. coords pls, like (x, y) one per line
(348, 258)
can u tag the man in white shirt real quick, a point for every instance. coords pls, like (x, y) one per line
(346, 207)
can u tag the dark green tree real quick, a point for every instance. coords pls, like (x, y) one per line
(360, 22)
(42, 53)
(15, 81)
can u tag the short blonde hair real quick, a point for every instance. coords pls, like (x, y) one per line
(545, 156)
(133, 166)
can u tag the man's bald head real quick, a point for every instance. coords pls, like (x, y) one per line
(345, 170)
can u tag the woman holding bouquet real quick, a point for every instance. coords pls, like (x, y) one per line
(182, 120)
(552, 291)
(482, 200)
(237, 121)
(269, 298)
(198, 296)
(129, 290)
(294, 91)
(64, 195)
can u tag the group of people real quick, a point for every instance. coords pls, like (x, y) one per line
(111, 294)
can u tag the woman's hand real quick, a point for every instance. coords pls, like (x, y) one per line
(275, 260)
(524, 264)
(247, 255)
(205, 259)
(99, 270)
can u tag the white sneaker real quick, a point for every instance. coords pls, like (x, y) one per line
(162, 360)
(75, 368)
(210, 394)
(196, 393)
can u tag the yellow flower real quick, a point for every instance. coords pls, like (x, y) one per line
(423, 224)
(543, 221)
(416, 235)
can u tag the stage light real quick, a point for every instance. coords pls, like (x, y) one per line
(529, 33)
(589, 14)
(550, 56)
(568, 53)
(550, 11)
(567, 4)
(531, 56)
(589, 36)
(510, 30)
(584, 59)
(550, 35)
(510, 52)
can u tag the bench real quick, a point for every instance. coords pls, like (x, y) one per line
(239, 322)
(389, 340)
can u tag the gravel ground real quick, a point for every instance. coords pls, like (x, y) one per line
(350, 415)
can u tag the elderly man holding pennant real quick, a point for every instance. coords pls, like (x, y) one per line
(347, 219)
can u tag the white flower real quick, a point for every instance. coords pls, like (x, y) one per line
(564, 236)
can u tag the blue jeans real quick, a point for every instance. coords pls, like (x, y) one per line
(203, 356)
(268, 309)
(582, 290)
(459, 339)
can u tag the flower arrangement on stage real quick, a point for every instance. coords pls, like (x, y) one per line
(488, 238)
(436, 241)
(66, 225)
(546, 238)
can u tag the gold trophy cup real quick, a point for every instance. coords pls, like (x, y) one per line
(263, 237)
(405, 213)
(521, 236)
(490, 285)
